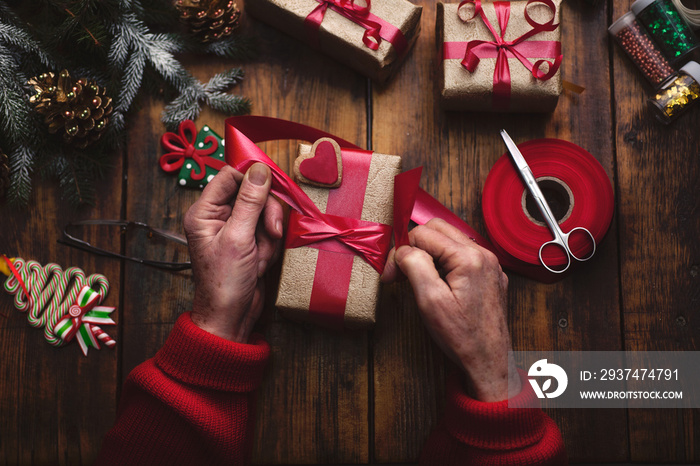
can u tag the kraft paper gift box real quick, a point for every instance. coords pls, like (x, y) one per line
(331, 285)
(341, 32)
(481, 89)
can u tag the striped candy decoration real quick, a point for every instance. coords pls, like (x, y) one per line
(47, 294)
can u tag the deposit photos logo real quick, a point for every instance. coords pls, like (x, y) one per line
(546, 372)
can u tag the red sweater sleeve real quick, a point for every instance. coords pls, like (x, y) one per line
(477, 433)
(193, 403)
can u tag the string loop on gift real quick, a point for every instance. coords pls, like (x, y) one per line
(519, 48)
(375, 27)
(181, 147)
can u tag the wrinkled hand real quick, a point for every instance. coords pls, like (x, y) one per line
(462, 301)
(233, 233)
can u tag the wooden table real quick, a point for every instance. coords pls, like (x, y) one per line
(372, 397)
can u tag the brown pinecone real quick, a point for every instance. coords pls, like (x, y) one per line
(209, 20)
(77, 109)
(4, 174)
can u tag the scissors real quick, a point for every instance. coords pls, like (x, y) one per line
(561, 239)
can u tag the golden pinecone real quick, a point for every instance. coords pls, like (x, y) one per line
(4, 173)
(77, 109)
(209, 20)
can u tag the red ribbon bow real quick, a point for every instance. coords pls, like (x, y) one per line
(369, 240)
(376, 28)
(517, 47)
(182, 147)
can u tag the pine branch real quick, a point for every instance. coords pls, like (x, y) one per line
(229, 104)
(131, 82)
(235, 47)
(11, 33)
(188, 105)
(185, 107)
(225, 80)
(21, 161)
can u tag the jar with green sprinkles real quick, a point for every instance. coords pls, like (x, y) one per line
(677, 94)
(667, 27)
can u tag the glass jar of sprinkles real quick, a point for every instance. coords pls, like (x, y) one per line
(667, 27)
(641, 49)
(677, 94)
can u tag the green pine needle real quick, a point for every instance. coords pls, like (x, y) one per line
(127, 47)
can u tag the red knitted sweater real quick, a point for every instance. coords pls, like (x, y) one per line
(194, 403)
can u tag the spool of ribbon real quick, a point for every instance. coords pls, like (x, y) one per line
(514, 230)
(243, 132)
(499, 48)
(375, 27)
(181, 147)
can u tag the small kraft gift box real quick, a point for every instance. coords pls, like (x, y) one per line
(500, 56)
(324, 281)
(372, 37)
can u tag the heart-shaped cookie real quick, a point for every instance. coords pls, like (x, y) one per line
(322, 166)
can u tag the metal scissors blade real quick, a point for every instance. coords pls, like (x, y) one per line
(561, 239)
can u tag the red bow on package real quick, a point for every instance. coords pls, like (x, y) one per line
(520, 48)
(181, 147)
(376, 28)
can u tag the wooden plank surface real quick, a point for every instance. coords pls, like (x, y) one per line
(313, 406)
(55, 404)
(659, 196)
(457, 151)
(372, 397)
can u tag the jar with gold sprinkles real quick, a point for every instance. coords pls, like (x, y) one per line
(678, 93)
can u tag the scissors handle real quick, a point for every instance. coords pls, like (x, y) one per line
(561, 240)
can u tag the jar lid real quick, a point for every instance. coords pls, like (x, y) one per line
(693, 69)
(624, 21)
(640, 5)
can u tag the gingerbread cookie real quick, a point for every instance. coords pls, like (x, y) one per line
(322, 166)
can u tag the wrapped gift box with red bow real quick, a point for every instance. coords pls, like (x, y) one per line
(500, 56)
(370, 37)
(327, 282)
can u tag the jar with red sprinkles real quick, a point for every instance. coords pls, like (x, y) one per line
(641, 49)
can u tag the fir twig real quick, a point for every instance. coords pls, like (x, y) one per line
(188, 104)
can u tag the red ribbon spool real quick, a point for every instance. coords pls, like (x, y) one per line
(509, 227)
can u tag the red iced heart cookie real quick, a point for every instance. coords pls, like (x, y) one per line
(323, 165)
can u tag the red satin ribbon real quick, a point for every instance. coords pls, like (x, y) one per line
(376, 28)
(515, 235)
(181, 147)
(502, 49)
